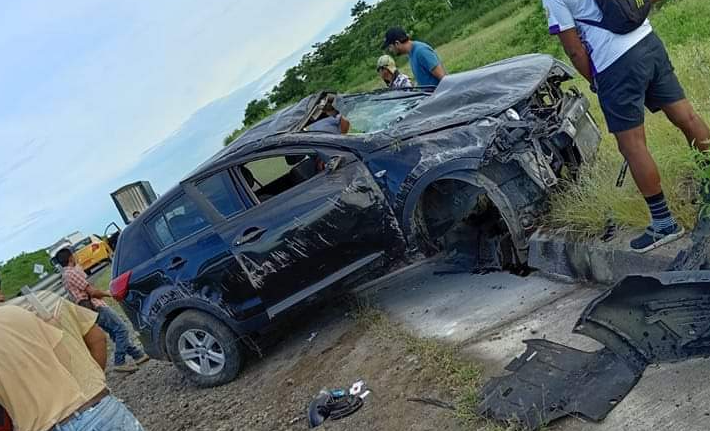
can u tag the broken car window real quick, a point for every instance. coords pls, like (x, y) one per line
(274, 175)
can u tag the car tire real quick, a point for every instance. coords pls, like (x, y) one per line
(204, 349)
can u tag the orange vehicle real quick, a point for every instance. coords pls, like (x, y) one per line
(91, 252)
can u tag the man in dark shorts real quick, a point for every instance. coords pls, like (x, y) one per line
(628, 72)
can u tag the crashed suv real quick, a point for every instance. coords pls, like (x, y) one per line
(283, 215)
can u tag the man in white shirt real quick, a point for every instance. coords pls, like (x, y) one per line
(629, 71)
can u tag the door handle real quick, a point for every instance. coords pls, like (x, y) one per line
(250, 235)
(177, 263)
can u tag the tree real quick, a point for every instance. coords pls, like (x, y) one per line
(360, 8)
(255, 111)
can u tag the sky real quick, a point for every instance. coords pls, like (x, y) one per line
(89, 87)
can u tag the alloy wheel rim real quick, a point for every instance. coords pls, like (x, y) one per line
(201, 352)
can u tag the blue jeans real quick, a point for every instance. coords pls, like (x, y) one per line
(114, 326)
(108, 415)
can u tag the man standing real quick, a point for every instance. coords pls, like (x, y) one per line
(426, 66)
(51, 372)
(86, 295)
(629, 71)
(387, 69)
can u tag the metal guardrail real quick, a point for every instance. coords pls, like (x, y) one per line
(51, 283)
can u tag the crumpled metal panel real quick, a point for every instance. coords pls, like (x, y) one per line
(663, 317)
(478, 93)
(550, 381)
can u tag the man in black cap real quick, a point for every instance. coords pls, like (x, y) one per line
(426, 66)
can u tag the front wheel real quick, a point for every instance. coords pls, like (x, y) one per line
(204, 349)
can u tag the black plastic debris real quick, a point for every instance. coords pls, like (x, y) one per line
(663, 317)
(550, 381)
(644, 319)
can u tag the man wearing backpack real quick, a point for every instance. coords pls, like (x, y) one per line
(611, 43)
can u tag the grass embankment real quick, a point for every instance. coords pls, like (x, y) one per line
(519, 27)
(18, 271)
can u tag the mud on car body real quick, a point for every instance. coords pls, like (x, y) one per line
(282, 216)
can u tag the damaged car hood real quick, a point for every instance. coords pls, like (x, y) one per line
(489, 90)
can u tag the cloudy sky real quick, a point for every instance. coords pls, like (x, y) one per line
(89, 85)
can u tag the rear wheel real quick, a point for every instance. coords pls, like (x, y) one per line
(204, 349)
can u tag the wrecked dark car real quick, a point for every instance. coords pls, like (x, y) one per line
(284, 215)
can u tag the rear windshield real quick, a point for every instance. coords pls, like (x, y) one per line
(81, 244)
(132, 250)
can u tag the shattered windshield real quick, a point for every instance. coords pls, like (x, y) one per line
(371, 113)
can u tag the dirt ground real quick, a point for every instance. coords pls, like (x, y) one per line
(273, 393)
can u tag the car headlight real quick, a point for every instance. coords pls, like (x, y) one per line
(512, 115)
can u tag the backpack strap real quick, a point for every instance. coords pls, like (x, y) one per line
(590, 22)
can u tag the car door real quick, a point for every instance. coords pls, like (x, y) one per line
(193, 261)
(316, 218)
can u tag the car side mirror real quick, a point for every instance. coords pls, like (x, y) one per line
(333, 163)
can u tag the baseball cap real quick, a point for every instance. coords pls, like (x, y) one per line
(394, 34)
(386, 62)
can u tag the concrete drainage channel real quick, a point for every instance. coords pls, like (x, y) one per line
(584, 346)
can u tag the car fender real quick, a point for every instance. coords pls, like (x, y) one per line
(462, 170)
(167, 302)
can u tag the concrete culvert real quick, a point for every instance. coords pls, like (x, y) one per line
(460, 220)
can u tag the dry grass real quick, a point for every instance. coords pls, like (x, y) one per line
(440, 362)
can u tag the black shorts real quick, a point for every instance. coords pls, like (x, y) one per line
(642, 76)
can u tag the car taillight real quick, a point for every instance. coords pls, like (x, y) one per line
(119, 286)
(94, 247)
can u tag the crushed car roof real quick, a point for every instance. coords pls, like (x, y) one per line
(478, 93)
(459, 99)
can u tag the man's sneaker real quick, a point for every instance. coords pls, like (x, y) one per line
(652, 239)
(125, 368)
(142, 360)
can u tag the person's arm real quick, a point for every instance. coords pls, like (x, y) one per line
(432, 63)
(577, 53)
(96, 293)
(438, 72)
(95, 341)
(344, 125)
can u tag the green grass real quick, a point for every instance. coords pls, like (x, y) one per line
(18, 271)
(519, 27)
(104, 279)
